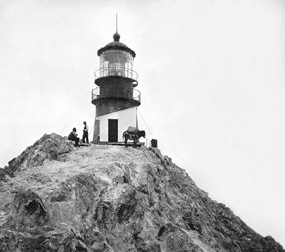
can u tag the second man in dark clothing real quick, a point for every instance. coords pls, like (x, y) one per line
(85, 133)
(73, 137)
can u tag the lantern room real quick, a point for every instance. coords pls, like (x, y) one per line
(116, 59)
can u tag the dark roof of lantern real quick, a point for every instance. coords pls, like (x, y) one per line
(116, 44)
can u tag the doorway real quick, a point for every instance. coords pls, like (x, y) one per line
(113, 130)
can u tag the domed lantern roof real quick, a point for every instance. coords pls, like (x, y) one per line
(116, 45)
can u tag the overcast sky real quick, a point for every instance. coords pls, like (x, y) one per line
(211, 74)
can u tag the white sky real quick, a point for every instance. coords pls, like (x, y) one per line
(212, 81)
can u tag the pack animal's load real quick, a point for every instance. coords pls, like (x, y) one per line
(132, 130)
(154, 143)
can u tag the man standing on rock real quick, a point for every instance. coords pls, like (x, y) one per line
(85, 133)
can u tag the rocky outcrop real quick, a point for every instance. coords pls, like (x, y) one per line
(49, 147)
(111, 198)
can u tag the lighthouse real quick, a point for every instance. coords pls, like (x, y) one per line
(115, 96)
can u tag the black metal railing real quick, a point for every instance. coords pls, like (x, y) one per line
(116, 71)
(137, 95)
(95, 94)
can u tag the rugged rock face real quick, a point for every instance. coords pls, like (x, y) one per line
(49, 147)
(55, 197)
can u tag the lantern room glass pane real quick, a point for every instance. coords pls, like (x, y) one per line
(116, 63)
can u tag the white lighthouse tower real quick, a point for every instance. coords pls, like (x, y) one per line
(115, 96)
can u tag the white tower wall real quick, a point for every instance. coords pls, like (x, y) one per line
(125, 119)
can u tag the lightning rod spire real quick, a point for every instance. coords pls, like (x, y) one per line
(116, 36)
(116, 22)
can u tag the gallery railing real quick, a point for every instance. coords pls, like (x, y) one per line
(116, 71)
(95, 94)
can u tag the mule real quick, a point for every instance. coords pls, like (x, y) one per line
(135, 136)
